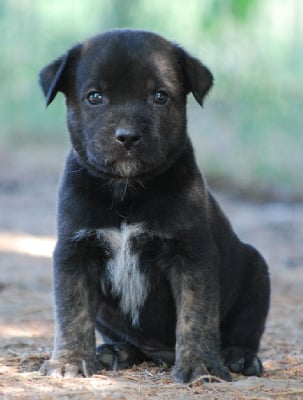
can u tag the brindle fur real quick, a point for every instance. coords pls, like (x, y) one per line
(144, 252)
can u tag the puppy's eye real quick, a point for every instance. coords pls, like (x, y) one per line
(94, 98)
(160, 97)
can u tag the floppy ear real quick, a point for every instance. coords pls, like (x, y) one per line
(54, 77)
(197, 77)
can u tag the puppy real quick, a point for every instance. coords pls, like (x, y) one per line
(144, 253)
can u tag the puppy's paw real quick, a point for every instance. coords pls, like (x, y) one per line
(185, 374)
(58, 368)
(242, 361)
(118, 356)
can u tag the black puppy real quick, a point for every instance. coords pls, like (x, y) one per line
(144, 252)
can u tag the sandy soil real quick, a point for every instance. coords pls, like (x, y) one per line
(28, 185)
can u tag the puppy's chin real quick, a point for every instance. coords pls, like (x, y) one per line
(128, 169)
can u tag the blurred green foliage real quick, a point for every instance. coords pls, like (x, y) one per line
(251, 130)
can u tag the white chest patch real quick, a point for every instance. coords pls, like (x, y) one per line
(128, 283)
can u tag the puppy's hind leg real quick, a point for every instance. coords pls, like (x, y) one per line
(241, 332)
(118, 356)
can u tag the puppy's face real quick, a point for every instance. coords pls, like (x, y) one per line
(125, 93)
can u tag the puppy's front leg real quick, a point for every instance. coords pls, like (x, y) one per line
(76, 303)
(197, 332)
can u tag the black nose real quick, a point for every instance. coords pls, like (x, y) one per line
(128, 137)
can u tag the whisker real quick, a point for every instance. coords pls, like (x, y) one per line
(140, 183)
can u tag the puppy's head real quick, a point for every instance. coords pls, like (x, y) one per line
(126, 95)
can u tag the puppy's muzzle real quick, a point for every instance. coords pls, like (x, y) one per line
(127, 137)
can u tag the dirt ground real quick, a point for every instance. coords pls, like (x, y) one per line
(28, 185)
